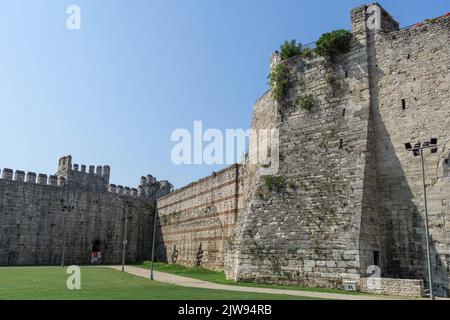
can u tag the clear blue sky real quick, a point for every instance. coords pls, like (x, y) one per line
(113, 92)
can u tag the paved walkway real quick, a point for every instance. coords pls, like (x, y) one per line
(194, 283)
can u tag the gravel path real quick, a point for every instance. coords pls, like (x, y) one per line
(194, 283)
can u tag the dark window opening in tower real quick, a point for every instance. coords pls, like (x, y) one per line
(96, 246)
(376, 258)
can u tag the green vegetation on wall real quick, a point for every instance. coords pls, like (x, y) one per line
(331, 80)
(307, 53)
(274, 183)
(291, 49)
(279, 80)
(305, 101)
(335, 43)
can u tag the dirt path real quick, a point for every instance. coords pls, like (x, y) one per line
(194, 283)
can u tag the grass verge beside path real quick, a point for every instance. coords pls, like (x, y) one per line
(201, 273)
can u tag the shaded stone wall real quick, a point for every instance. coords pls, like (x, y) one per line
(308, 233)
(413, 105)
(32, 225)
(352, 196)
(36, 213)
(195, 222)
(349, 207)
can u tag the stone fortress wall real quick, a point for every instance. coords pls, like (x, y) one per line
(353, 196)
(357, 198)
(195, 222)
(412, 88)
(309, 233)
(37, 213)
(204, 213)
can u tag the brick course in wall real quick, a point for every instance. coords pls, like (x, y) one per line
(195, 222)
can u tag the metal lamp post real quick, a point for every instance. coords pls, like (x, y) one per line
(125, 235)
(153, 244)
(418, 150)
(124, 244)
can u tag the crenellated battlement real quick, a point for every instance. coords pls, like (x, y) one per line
(65, 167)
(148, 188)
(125, 191)
(31, 177)
(36, 208)
(89, 178)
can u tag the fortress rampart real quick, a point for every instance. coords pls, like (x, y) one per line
(196, 221)
(352, 197)
(349, 198)
(37, 212)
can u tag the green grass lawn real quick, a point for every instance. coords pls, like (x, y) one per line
(43, 283)
(219, 277)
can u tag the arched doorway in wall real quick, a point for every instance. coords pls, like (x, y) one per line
(96, 256)
(96, 246)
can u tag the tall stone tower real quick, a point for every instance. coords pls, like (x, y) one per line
(352, 201)
(95, 179)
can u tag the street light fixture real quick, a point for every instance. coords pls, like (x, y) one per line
(417, 150)
(125, 235)
(153, 242)
(124, 244)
